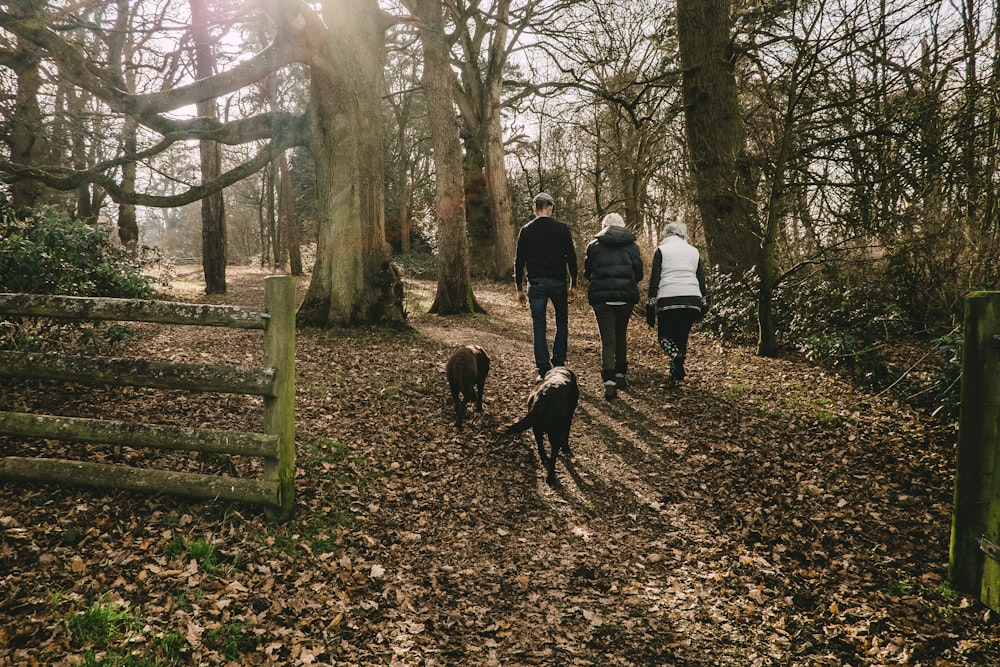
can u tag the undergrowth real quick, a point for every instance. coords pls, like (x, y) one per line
(850, 326)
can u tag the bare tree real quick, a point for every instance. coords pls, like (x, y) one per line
(26, 144)
(454, 285)
(487, 38)
(213, 208)
(342, 51)
(409, 189)
(715, 133)
(619, 59)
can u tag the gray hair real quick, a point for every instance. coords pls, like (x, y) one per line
(612, 220)
(676, 229)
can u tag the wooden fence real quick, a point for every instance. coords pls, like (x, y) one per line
(274, 380)
(974, 563)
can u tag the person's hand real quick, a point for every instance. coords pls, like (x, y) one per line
(571, 295)
(522, 298)
(651, 313)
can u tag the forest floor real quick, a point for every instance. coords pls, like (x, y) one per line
(765, 513)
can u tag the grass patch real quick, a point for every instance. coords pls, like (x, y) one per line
(186, 602)
(315, 534)
(101, 622)
(392, 392)
(737, 391)
(200, 550)
(175, 547)
(203, 551)
(120, 659)
(339, 463)
(230, 639)
(899, 587)
(170, 646)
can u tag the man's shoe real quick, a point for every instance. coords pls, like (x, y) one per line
(620, 381)
(610, 390)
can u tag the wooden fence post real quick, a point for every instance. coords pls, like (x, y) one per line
(279, 409)
(973, 565)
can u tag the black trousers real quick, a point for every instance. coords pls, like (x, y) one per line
(612, 323)
(673, 327)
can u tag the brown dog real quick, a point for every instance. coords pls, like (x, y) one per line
(551, 405)
(467, 370)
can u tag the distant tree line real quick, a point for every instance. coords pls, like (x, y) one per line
(830, 148)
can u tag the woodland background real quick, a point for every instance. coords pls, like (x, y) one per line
(835, 159)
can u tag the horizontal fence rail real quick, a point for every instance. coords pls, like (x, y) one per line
(138, 373)
(274, 381)
(132, 310)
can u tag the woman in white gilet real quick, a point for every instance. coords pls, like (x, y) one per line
(677, 296)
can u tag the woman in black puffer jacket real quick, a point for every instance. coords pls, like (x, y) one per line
(613, 267)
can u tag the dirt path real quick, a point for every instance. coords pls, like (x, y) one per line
(762, 515)
(766, 514)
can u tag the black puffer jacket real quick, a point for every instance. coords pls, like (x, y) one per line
(613, 266)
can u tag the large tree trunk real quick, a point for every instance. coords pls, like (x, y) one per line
(634, 188)
(454, 287)
(354, 282)
(480, 105)
(715, 134)
(499, 195)
(73, 99)
(213, 209)
(27, 143)
(128, 226)
(493, 150)
(276, 254)
(286, 212)
(478, 221)
(121, 51)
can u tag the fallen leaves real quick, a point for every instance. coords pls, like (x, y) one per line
(766, 514)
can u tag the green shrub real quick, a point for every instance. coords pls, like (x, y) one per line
(422, 265)
(43, 251)
(847, 324)
(947, 379)
(833, 320)
(828, 319)
(733, 314)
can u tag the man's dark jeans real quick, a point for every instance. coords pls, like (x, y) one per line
(540, 292)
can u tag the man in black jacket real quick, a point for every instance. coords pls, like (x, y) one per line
(545, 251)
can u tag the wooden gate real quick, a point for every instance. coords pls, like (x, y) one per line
(274, 380)
(974, 562)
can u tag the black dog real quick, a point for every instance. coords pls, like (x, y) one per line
(467, 370)
(551, 405)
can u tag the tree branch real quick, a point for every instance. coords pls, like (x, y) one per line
(67, 179)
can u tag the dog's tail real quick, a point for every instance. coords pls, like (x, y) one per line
(526, 422)
(520, 426)
(512, 430)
